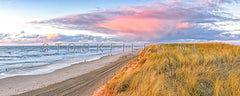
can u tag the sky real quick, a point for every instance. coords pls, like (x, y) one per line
(33, 22)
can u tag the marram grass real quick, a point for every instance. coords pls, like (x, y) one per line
(212, 71)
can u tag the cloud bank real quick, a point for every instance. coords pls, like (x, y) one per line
(157, 21)
(25, 39)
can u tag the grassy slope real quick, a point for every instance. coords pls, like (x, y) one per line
(214, 70)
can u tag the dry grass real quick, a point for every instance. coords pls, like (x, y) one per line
(214, 70)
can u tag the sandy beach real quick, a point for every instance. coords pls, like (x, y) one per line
(78, 79)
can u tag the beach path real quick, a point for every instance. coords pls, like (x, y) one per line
(83, 85)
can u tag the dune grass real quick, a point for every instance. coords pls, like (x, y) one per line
(213, 70)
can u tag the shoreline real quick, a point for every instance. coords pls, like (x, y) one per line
(40, 69)
(20, 84)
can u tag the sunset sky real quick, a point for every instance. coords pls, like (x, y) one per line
(30, 22)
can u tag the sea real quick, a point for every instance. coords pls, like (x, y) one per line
(34, 60)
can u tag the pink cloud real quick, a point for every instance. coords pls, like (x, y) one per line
(182, 25)
(147, 24)
(133, 24)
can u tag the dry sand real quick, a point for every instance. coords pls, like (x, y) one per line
(76, 80)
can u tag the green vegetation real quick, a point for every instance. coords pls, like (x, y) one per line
(214, 70)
